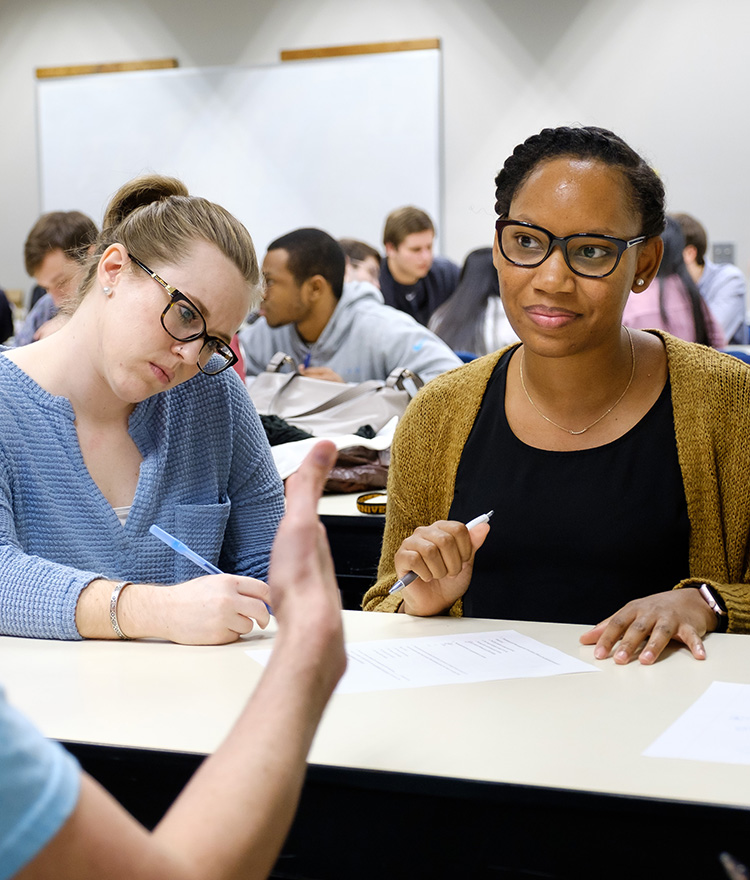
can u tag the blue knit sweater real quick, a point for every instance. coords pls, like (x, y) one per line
(207, 477)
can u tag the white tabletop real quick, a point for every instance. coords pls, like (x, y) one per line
(585, 731)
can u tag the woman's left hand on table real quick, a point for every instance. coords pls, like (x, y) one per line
(682, 615)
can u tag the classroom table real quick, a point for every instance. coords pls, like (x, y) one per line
(517, 778)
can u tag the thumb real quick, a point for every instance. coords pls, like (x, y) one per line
(478, 535)
(304, 487)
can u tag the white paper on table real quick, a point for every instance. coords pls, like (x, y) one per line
(715, 728)
(392, 664)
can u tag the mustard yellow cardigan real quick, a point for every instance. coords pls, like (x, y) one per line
(711, 403)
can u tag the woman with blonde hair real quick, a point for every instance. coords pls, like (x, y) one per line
(128, 416)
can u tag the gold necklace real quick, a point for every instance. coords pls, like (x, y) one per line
(604, 415)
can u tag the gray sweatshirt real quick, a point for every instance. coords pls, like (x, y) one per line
(365, 339)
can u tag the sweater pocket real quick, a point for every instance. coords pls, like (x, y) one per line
(202, 528)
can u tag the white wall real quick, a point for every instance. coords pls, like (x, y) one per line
(224, 140)
(671, 76)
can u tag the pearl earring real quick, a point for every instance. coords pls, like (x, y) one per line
(640, 282)
(107, 291)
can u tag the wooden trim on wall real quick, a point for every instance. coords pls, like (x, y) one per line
(359, 49)
(114, 67)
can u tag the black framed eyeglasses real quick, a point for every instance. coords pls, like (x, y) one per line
(183, 320)
(587, 254)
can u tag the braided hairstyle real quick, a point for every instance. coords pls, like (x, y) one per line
(646, 191)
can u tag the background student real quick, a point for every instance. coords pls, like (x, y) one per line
(337, 331)
(6, 317)
(722, 285)
(473, 319)
(672, 301)
(55, 254)
(411, 277)
(362, 261)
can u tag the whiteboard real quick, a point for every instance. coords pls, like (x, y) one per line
(335, 143)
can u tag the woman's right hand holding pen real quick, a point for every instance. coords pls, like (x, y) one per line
(211, 609)
(442, 555)
(208, 610)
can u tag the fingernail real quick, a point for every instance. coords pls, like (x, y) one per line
(600, 653)
(647, 657)
(621, 655)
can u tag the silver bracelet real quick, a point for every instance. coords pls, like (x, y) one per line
(113, 609)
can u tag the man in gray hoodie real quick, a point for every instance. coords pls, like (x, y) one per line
(335, 331)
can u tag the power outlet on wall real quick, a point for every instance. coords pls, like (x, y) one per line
(723, 252)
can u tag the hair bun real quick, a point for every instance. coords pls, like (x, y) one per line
(156, 218)
(140, 192)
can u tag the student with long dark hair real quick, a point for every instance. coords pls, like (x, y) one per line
(672, 301)
(472, 319)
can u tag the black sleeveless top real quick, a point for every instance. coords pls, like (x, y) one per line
(575, 535)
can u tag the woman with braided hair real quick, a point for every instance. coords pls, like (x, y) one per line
(613, 458)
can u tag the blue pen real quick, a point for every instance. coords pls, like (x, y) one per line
(308, 358)
(409, 577)
(185, 551)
